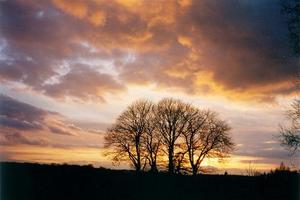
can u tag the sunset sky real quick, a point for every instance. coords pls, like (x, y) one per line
(69, 67)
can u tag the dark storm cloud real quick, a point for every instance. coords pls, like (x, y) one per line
(243, 45)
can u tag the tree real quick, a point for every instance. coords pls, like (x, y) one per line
(152, 141)
(184, 133)
(171, 121)
(126, 135)
(251, 170)
(290, 133)
(206, 136)
(282, 167)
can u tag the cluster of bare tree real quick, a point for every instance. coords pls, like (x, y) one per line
(170, 131)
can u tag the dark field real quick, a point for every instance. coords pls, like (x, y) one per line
(34, 181)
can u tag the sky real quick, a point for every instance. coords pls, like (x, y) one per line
(69, 68)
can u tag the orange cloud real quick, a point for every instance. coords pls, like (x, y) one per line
(98, 18)
(76, 8)
(198, 47)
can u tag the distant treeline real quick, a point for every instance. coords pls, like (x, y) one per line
(42, 182)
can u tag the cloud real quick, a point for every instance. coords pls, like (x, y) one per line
(57, 130)
(14, 123)
(100, 126)
(236, 49)
(22, 116)
(17, 138)
(25, 124)
(84, 83)
(14, 109)
(37, 56)
(267, 153)
(244, 43)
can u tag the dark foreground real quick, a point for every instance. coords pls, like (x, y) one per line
(34, 181)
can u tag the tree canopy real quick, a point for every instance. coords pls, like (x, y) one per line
(176, 134)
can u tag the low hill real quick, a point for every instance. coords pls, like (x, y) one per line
(22, 181)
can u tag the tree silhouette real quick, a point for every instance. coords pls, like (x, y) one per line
(182, 132)
(206, 136)
(290, 133)
(126, 135)
(171, 121)
(152, 141)
(251, 170)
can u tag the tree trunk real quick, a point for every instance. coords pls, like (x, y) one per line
(194, 168)
(154, 168)
(171, 160)
(137, 149)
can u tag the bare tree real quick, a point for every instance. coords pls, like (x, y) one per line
(206, 136)
(171, 121)
(182, 132)
(196, 125)
(152, 142)
(290, 133)
(126, 135)
(251, 170)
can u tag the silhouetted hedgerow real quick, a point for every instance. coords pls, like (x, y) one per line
(41, 182)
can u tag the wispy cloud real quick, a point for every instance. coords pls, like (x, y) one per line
(22, 123)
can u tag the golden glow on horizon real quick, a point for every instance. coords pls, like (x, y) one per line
(55, 155)
(95, 156)
(240, 162)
